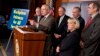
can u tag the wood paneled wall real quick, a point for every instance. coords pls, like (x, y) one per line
(34, 4)
(77, 0)
(56, 6)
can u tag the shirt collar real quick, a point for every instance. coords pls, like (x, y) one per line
(94, 15)
(77, 17)
(62, 16)
(47, 15)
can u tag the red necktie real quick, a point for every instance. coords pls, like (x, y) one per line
(88, 22)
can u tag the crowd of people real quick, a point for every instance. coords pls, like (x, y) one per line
(69, 36)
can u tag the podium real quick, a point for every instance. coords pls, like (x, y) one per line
(28, 43)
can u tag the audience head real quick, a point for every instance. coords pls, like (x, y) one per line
(93, 8)
(61, 11)
(76, 12)
(73, 24)
(38, 11)
(45, 9)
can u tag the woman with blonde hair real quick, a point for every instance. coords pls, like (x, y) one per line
(69, 46)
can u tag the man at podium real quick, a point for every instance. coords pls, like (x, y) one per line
(46, 22)
(44, 25)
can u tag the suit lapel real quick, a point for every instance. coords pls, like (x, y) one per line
(36, 18)
(57, 22)
(93, 22)
(79, 18)
(40, 18)
(62, 22)
(47, 19)
(44, 20)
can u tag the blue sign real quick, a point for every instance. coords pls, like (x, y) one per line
(18, 18)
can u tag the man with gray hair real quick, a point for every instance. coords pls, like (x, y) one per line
(45, 25)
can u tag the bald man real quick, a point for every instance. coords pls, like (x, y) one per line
(60, 27)
(37, 17)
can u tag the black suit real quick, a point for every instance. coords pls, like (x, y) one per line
(91, 38)
(62, 27)
(82, 23)
(59, 30)
(70, 44)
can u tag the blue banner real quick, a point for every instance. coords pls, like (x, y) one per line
(18, 18)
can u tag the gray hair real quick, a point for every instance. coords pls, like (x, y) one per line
(47, 6)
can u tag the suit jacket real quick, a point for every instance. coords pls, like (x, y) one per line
(70, 44)
(45, 25)
(91, 38)
(61, 28)
(82, 23)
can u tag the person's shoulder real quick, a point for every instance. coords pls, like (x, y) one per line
(81, 18)
(98, 15)
(74, 33)
(97, 18)
(66, 16)
(34, 17)
(51, 17)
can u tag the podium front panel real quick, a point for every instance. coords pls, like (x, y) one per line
(29, 44)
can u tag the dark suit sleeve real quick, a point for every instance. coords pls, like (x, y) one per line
(95, 34)
(69, 41)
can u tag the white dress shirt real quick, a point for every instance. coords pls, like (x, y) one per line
(60, 20)
(38, 19)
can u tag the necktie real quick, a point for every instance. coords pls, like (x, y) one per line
(88, 22)
(42, 20)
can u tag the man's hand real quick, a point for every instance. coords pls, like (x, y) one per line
(32, 22)
(58, 49)
(57, 35)
(81, 44)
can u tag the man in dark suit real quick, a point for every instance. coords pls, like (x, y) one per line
(76, 12)
(91, 32)
(37, 17)
(60, 27)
